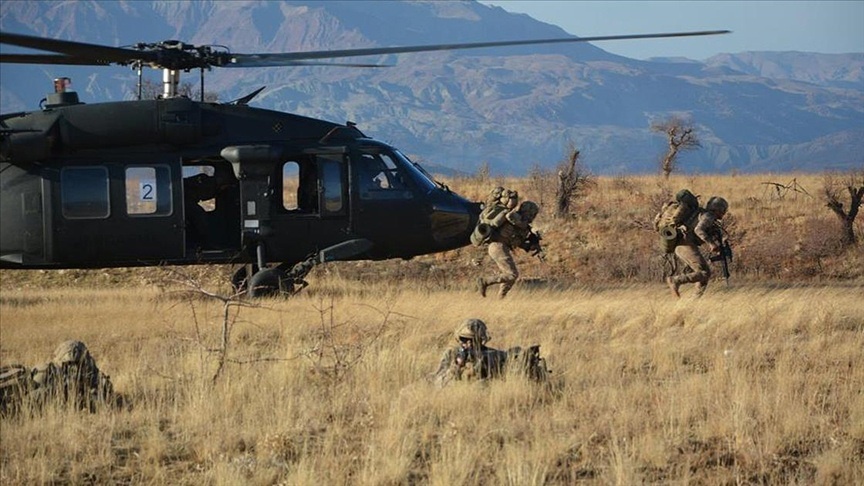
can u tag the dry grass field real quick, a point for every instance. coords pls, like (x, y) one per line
(758, 382)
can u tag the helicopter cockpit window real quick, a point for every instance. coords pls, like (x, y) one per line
(148, 191)
(378, 177)
(84, 192)
(300, 186)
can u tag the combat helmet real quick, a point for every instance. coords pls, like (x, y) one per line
(473, 329)
(72, 353)
(529, 210)
(717, 205)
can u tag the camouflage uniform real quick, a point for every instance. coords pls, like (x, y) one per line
(511, 231)
(70, 377)
(473, 360)
(705, 229)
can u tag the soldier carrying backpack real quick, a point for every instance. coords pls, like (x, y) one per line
(684, 226)
(505, 224)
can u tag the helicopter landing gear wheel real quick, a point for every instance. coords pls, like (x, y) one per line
(240, 279)
(265, 283)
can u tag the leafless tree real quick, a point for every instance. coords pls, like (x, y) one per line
(572, 180)
(681, 135)
(193, 290)
(484, 172)
(833, 188)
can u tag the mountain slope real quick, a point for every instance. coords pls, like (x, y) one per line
(510, 107)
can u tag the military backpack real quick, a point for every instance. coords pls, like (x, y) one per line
(678, 213)
(497, 204)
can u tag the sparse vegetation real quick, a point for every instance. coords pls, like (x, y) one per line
(758, 383)
(680, 135)
(853, 184)
(573, 181)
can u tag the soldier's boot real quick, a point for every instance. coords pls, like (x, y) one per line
(673, 286)
(481, 286)
(505, 287)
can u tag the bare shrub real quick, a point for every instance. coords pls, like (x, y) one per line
(483, 174)
(769, 257)
(779, 190)
(541, 182)
(833, 188)
(622, 182)
(338, 345)
(573, 181)
(820, 239)
(194, 290)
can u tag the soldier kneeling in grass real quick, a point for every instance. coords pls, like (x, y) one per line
(473, 360)
(71, 377)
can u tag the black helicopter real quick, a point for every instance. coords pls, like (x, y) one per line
(173, 181)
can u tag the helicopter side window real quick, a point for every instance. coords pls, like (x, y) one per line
(300, 186)
(379, 178)
(84, 192)
(148, 191)
(331, 183)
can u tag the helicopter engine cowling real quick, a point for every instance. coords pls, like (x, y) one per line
(24, 146)
(37, 135)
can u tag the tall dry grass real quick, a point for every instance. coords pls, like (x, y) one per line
(755, 384)
(759, 382)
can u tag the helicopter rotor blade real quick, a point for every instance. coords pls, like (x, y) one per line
(79, 51)
(268, 63)
(287, 59)
(179, 56)
(50, 59)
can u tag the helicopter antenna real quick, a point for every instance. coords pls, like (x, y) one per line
(246, 99)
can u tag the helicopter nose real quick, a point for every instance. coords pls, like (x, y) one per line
(452, 221)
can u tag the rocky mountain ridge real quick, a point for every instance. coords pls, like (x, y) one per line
(509, 107)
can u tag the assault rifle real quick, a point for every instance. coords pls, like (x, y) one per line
(532, 245)
(464, 356)
(725, 257)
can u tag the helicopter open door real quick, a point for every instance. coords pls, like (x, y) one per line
(211, 203)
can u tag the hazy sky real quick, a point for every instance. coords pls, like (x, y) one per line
(810, 26)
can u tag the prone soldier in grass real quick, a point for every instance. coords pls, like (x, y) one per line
(70, 377)
(471, 359)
